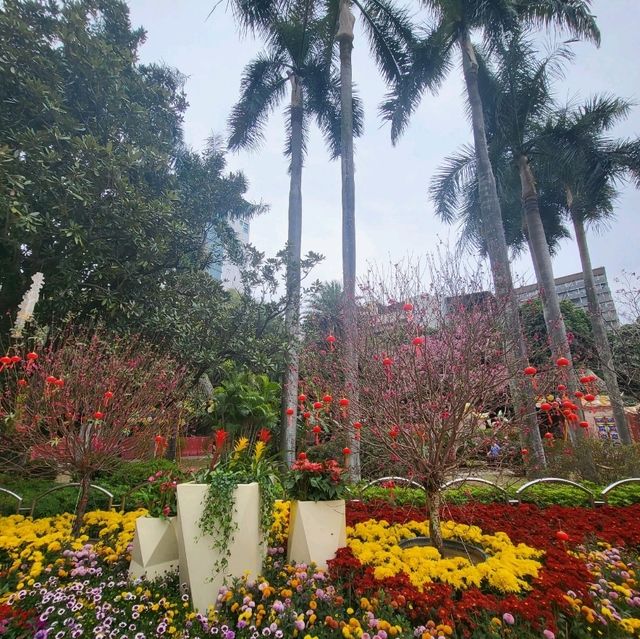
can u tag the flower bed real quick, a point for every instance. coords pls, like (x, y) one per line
(533, 584)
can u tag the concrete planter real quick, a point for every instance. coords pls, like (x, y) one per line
(316, 530)
(200, 558)
(155, 548)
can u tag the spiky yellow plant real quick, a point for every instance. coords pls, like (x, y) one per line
(241, 445)
(259, 450)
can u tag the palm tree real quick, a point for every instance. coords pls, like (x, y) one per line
(516, 97)
(295, 58)
(592, 165)
(390, 34)
(455, 21)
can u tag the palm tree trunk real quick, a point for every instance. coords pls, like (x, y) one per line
(603, 348)
(493, 231)
(350, 320)
(294, 251)
(544, 275)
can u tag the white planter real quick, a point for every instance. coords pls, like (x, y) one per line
(155, 548)
(245, 552)
(316, 530)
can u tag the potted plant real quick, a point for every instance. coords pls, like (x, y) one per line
(317, 520)
(224, 516)
(155, 545)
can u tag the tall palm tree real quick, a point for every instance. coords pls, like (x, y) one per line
(455, 21)
(295, 59)
(390, 34)
(592, 166)
(517, 98)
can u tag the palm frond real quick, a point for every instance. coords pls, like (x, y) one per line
(430, 62)
(572, 16)
(447, 185)
(262, 86)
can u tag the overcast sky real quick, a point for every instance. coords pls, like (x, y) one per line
(393, 214)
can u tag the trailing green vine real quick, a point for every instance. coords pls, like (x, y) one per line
(244, 466)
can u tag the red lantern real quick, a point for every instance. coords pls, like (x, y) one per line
(589, 397)
(108, 395)
(562, 535)
(316, 429)
(15, 359)
(394, 432)
(346, 451)
(59, 382)
(357, 425)
(331, 340)
(98, 415)
(530, 371)
(572, 417)
(545, 406)
(408, 307)
(5, 360)
(317, 405)
(302, 398)
(306, 415)
(585, 379)
(302, 456)
(584, 424)
(327, 399)
(32, 357)
(548, 435)
(579, 394)
(387, 361)
(290, 411)
(344, 402)
(524, 452)
(562, 361)
(22, 382)
(566, 403)
(562, 387)
(51, 379)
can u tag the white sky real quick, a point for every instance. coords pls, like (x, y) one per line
(393, 214)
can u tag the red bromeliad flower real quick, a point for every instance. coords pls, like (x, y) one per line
(221, 438)
(264, 435)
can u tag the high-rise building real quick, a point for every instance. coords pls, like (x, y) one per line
(222, 269)
(571, 287)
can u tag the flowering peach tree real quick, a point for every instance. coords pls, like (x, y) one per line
(433, 366)
(77, 404)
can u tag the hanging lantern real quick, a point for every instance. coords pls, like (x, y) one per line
(317, 405)
(418, 342)
(22, 382)
(357, 425)
(15, 359)
(346, 451)
(306, 415)
(302, 398)
(327, 399)
(387, 361)
(524, 452)
(331, 340)
(545, 406)
(316, 431)
(98, 415)
(408, 307)
(584, 424)
(530, 371)
(343, 401)
(572, 417)
(562, 387)
(548, 435)
(32, 357)
(561, 535)
(51, 379)
(562, 361)
(579, 394)
(290, 412)
(302, 456)
(585, 379)
(5, 360)
(589, 397)
(394, 432)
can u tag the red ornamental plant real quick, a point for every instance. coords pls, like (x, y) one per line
(88, 397)
(314, 481)
(424, 412)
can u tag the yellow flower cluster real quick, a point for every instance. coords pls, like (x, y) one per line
(34, 545)
(280, 527)
(507, 567)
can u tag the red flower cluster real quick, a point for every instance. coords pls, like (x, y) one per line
(328, 467)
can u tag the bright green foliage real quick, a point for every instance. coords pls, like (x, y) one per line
(245, 402)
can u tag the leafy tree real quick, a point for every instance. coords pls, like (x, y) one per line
(323, 312)
(294, 57)
(579, 332)
(97, 189)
